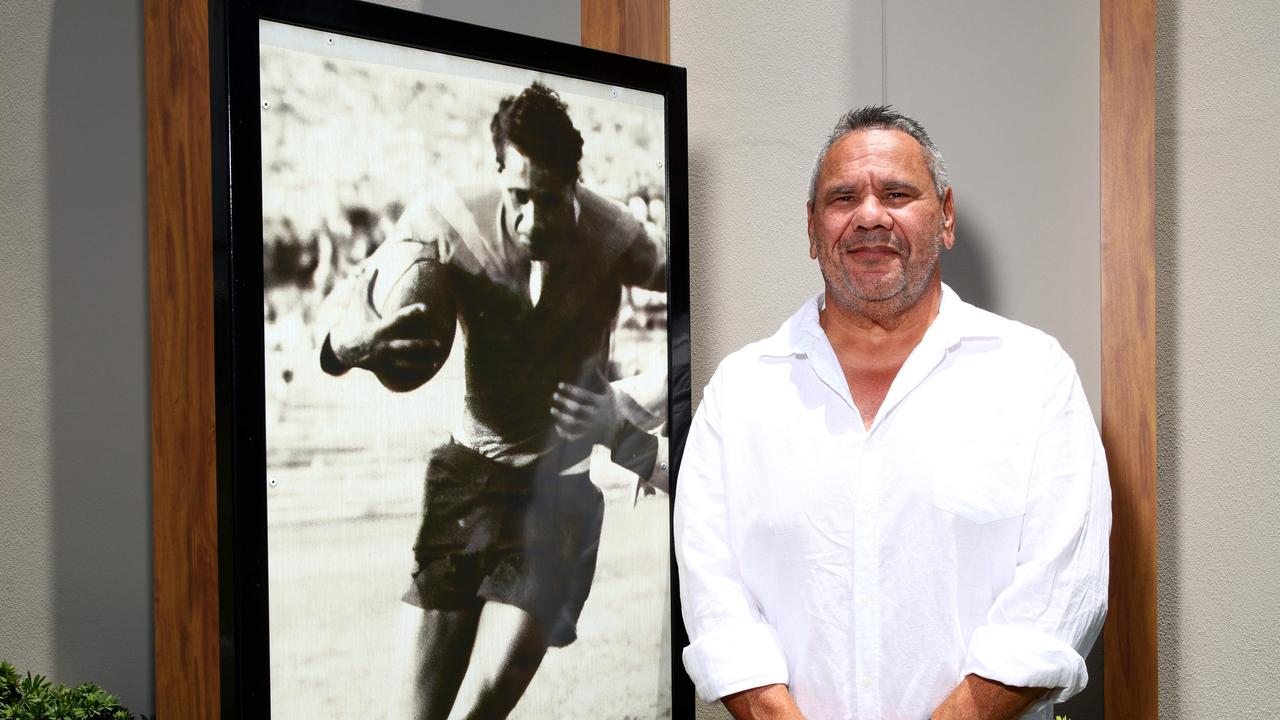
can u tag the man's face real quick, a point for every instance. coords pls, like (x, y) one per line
(876, 225)
(538, 204)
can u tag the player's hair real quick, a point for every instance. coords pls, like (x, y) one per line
(883, 117)
(537, 123)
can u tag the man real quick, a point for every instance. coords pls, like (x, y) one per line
(897, 507)
(506, 551)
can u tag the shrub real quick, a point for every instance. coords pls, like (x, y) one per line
(35, 698)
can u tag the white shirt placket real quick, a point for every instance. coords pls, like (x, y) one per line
(868, 538)
(866, 581)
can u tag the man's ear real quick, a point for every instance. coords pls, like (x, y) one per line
(813, 245)
(948, 220)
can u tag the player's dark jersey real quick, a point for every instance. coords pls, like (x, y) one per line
(516, 351)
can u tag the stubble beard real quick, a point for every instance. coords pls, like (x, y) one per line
(886, 297)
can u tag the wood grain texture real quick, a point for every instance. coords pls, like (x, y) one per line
(1128, 352)
(184, 487)
(639, 28)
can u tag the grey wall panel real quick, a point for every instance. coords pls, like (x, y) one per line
(1009, 91)
(551, 19)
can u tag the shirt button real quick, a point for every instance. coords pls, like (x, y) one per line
(866, 682)
(864, 601)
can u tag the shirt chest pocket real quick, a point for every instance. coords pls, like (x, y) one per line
(981, 483)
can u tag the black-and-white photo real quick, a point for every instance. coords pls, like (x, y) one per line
(466, 362)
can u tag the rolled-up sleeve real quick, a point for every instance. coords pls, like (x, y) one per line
(1043, 624)
(731, 646)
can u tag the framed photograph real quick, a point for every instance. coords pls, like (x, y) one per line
(452, 368)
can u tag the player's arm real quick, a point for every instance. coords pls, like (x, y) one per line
(626, 417)
(1032, 646)
(389, 344)
(363, 339)
(383, 345)
(637, 448)
(644, 264)
(642, 444)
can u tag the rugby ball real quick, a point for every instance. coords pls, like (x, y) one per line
(403, 273)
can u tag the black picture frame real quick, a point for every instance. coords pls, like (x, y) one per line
(239, 282)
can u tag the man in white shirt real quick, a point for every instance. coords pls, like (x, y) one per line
(897, 507)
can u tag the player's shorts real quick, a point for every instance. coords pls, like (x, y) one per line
(522, 536)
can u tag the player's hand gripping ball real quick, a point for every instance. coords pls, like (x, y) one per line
(411, 291)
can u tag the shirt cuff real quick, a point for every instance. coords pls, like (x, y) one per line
(735, 658)
(1025, 657)
(635, 450)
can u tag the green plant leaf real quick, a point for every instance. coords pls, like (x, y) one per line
(36, 698)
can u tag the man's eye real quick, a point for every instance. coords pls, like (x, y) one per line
(520, 196)
(895, 195)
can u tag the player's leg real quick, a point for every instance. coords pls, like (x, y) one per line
(435, 647)
(509, 647)
(554, 576)
(442, 610)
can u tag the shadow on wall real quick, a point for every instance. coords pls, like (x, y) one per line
(701, 267)
(98, 344)
(966, 268)
(1168, 375)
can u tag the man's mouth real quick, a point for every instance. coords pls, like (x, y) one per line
(873, 251)
(873, 245)
(872, 255)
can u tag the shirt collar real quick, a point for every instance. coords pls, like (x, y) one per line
(957, 321)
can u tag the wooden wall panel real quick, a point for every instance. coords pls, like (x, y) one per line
(1128, 352)
(184, 487)
(639, 28)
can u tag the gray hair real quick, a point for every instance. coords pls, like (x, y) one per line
(883, 117)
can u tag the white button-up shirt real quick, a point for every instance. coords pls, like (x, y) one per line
(872, 569)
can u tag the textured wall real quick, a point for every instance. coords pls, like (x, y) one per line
(26, 565)
(75, 594)
(1218, 337)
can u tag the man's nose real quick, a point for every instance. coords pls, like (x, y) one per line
(871, 214)
(524, 218)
